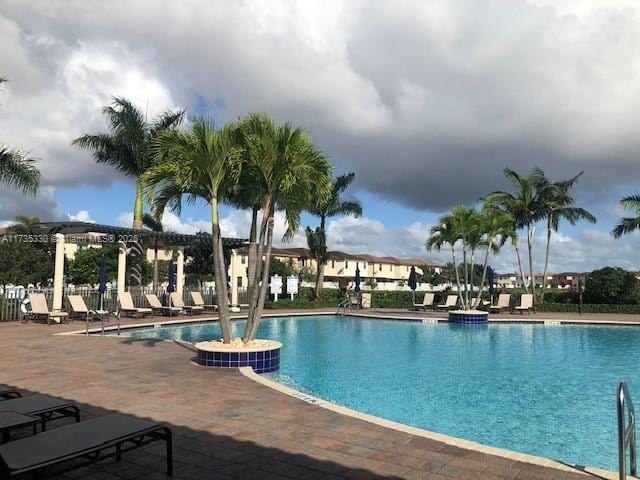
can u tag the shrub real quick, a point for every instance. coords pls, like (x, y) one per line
(611, 285)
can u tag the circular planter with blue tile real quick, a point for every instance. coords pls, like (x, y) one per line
(468, 316)
(263, 357)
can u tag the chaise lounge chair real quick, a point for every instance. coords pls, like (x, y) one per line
(526, 303)
(39, 309)
(79, 309)
(176, 300)
(157, 306)
(129, 309)
(43, 406)
(427, 301)
(9, 394)
(450, 302)
(92, 440)
(503, 303)
(198, 301)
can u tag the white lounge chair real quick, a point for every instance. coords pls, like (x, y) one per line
(157, 307)
(79, 309)
(198, 301)
(128, 308)
(176, 299)
(427, 301)
(39, 309)
(450, 302)
(504, 300)
(526, 303)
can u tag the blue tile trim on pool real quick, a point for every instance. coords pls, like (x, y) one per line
(261, 362)
(468, 317)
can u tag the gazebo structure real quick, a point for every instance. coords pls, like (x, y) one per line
(58, 231)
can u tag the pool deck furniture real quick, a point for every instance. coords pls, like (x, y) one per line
(526, 303)
(176, 299)
(79, 309)
(129, 309)
(92, 440)
(39, 310)
(9, 394)
(198, 301)
(43, 406)
(14, 421)
(427, 301)
(504, 300)
(450, 302)
(158, 308)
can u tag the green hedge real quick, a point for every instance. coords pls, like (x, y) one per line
(587, 308)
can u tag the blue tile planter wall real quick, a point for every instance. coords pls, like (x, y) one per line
(459, 316)
(261, 358)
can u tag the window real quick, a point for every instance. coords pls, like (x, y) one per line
(240, 282)
(346, 264)
(333, 264)
(380, 267)
(391, 268)
(243, 259)
(364, 265)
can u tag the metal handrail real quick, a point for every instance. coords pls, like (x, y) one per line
(343, 305)
(626, 431)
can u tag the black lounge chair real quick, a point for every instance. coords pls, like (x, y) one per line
(9, 394)
(43, 406)
(86, 440)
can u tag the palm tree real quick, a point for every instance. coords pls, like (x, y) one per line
(127, 145)
(557, 204)
(18, 169)
(293, 175)
(202, 162)
(333, 207)
(628, 224)
(441, 234)
(524, 206)
(497, 228)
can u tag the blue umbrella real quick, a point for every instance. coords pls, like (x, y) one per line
(102, 275)
(413, 282)
(357, 279)
(490, 279)
(171, 287)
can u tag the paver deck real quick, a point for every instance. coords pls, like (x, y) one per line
(226, 426)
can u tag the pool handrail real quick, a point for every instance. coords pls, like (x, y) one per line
(626, 431)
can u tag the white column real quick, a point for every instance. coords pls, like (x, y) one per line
(180, 272)
(234, 281)
(58, 273)
(122, 267)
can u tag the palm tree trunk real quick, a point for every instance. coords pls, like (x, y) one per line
(532, 277)
(220, 274)
(254, 293)
(472, 274)
(484, 275)
(524, 284)
(455, 267)
(263, 287)
(155, 266)
(137, 206)
(320, 261)
(253, 248)
(466, 278)
(546, 260)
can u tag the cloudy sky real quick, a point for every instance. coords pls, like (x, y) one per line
(426, 101)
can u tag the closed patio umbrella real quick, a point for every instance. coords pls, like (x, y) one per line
(171, 287)
(413, 282)
(490, 279)
(357, 280)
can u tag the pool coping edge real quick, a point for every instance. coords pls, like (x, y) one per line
(440, 437)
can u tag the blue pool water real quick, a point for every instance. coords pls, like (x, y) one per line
(543, 390)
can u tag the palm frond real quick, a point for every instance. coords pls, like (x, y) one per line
(18, 169)
(627, 225)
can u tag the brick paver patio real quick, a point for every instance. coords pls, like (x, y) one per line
(225, 425)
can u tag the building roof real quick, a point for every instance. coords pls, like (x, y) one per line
(341, 256)
(81, 229)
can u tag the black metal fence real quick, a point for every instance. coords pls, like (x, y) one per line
(10, 305)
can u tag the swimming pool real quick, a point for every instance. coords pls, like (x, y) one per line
(542, 390)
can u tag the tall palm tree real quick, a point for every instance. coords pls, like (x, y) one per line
(441, 234)
(333, 207)
(126, 146)
(293, 175)
(557, 203)
(18, 169)
(525, 207)
(628, 225)
(202, 162)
